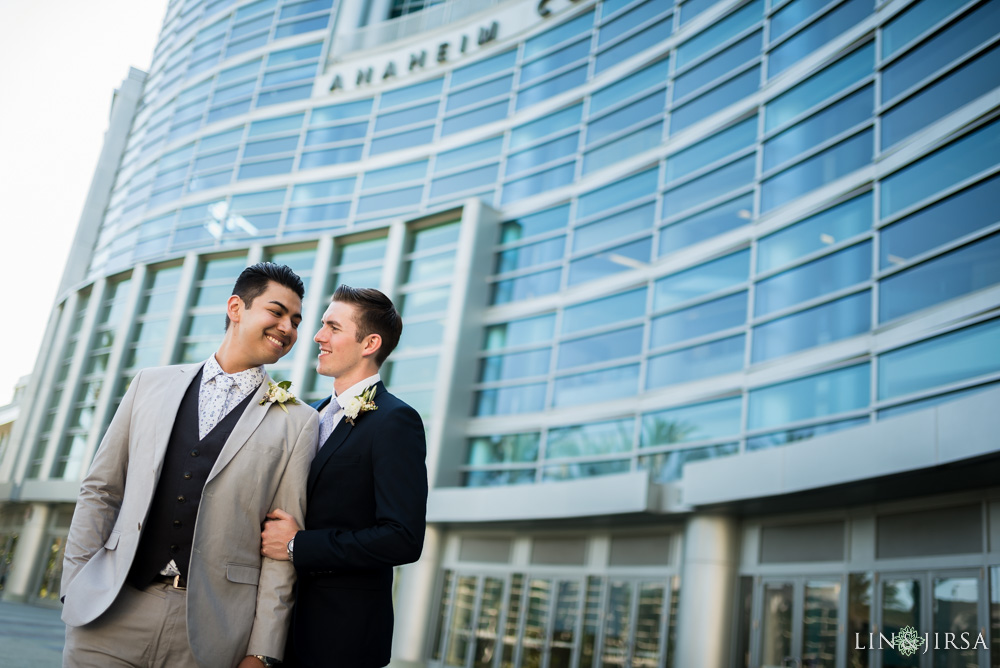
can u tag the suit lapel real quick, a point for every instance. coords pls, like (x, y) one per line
(252, 416)
(337, 438)
(168, 405)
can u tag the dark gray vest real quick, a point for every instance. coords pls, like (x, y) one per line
(169, 528)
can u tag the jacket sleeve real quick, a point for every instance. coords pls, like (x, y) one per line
(275, 590)
(400, 486)
(101, 492)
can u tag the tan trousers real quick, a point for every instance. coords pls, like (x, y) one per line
(144, 628)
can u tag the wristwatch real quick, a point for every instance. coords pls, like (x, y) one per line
(266, 660)
(291, 550)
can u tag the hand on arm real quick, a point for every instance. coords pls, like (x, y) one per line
(279, 528)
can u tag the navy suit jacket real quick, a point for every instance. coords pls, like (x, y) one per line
(366, 513)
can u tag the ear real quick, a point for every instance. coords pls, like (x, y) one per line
(234, 308)
(372, 344)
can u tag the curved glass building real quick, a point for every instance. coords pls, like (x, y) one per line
(702, 306)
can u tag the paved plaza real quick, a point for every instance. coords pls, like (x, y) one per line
(30, 637)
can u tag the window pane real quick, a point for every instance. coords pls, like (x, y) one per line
(520, 332)
(809, 39)
(515, 365)
(578, 26)
(619, 225)
(483, 150)
(739, 87)
(341, 111)
(542, 154)
(509, 400)
(654, 75)
(554, 86)
(574, 471)
(631, 188)
(330, 156)
(797, 434)
(741, 53)
(811, 173)
(827, 274)
(704, 279)
(474, 119)
(600, 348)
(506, 449)
(623, 148)
(713, 316)
(616, 308)
(667, 466)
(579, 389)
(917, 18)
(543, 66)
(397, 119)
(702, 361)
(710, 186)
(531, 255)
(707, 224)
(412, 93)
(534, 224)
(561, 120)
(549, 179)
(633, 255)
(599, 438)
(698, 422)
(640, 110)
(814, 396)
(813, 327)
(793, 14)
(483, 68)
(633, 44)
(716, 147)
(719, 32)
(821, 230)
(336, 133)
(322, 189)
(480, 93)
(526, 287)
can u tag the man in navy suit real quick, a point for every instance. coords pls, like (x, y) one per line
(367, 495)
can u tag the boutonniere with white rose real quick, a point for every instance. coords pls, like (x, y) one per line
(360, 404)
(277, 393)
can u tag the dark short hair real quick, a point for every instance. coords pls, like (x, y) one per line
(254, 279)
(376, 315)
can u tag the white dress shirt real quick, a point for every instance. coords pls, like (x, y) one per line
(328, 421)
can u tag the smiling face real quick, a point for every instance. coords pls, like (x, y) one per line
(341, 355)
(265, 331)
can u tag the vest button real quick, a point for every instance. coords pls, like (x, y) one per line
(187, 475)
(177, 524)
(181, 499)
(194, 453)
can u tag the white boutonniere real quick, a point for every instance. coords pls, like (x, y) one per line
(360, 404)
(277, 393)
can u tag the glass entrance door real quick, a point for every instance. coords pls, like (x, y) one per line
(799, 622)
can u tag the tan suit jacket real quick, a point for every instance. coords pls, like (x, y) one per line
(238, 602)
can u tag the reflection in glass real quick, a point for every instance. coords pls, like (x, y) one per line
(604, 311)
(776, 628)
(564, 619)
(718, 146)
(634, 255)
(591, 620)
(825, 275)
(720, 31)
(646, 649)
(707, 224)
(668, 466)
(846, 15)
(460, 630)
(617, 624)
(819, 623)
(599, 438)
(956, 611)
(487, 625)
(826, 393)
(714, 316)
(618, 382)
(691, 423)
(821, 230)
(507, 400)
(442, 616)
(741, 53)
(509, 448)
(860, 594)
(704, 279)
(900, 608)
(716, 99)
(600, 348)
(706, 188)
(696, 362)
(817, 326)
(818, 170)
(535, 622)
(526, 287)
(519, 332)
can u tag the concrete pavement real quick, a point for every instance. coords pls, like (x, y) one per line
(30, 637)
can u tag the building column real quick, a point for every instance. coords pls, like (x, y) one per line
(414, 599)
(28, 554)
(708, 578)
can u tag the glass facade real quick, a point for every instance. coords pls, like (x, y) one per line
(625, 236)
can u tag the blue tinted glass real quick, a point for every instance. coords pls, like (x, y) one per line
(483, 68)
(921, 404)
(600, 348)
(390, 200)
(554, 86)
(654, 75)
(396, 119)
(719, 32)
(299, 27)
(537, 183)
(713, 316)
(951, 275)
(828, 274)
(465, 180)
(600, 438)
(268, 168)
(816, 35)
(813, 327)
(633, 44)
(824, 229)
(699, 422)
(831, 164)
(668, 466)
(393, 175)
(251, 26)
(412, 93)
(283, 124)
(578, 26)
(561, 120)
(520, 332)
(703, 361)
(231, 93)
(716, 99)
(284, 95)
(472, 119)
(515, 365)
(834, 78)
(792, 14)
(693, 8)
(707, 224)
(634, 187)
(739, 54)
(811, 397)
(234, 49)
(619, 225)
(526, 287)
(542, 154)
(337, 133)
(401, 140)
(508, 400)
(530, 255)
(303, 8)
(483, 150)
(616, 308)
(269, 198)
(714, 184)
(612, 261)
(330, 156)
(230, 138)
(500, 477)
(917, 18)
(941, 98)
(960, 214)
(311, 214)
(289, 74)
(227, 111)
(340, 111)
(235, 73)
(629, 20)
(534, 224)
(574, 390)
(712, 149)
(292, 55)
(801, 433)
(254, 8)
(955, 162)
(816, 129)
(269, 146)
(949, 358)
(616, 121)
(543, 66)
(477, 94)
(704, 279)
(622, 148)
(974, 28)
(202, 182)
(576, 470)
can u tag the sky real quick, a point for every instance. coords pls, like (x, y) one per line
(62, 60)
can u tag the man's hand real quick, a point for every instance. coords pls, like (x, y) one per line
(279, 528)
(250, 662)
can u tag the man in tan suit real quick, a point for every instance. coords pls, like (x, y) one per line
(163, 564)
